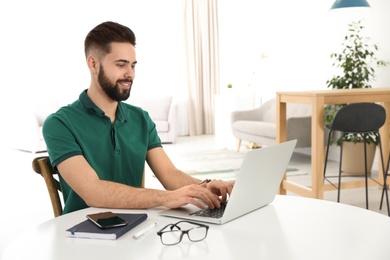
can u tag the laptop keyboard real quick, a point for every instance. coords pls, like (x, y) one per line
(211, 213)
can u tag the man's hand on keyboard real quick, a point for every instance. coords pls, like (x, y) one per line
(204, 195)
(220, 188)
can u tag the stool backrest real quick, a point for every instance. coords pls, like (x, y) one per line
(359, 118)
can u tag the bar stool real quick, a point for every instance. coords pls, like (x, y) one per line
(357, 118)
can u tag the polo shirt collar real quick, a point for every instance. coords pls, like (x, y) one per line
(92, 108)
(120, 113)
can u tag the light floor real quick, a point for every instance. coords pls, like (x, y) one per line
(24, 201)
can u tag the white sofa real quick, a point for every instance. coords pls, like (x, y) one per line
(259, 125)
(27, 133)
(163, 111)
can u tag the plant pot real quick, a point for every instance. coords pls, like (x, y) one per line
(353, 158)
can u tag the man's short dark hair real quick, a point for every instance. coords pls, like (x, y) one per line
(100, 38)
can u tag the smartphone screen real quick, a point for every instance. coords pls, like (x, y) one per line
(106, 220)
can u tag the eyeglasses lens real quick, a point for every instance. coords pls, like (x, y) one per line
(197, 234)
(173, 234)
(171, 237)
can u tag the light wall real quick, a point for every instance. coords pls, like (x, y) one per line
(296, 38)
(42, 53)
(42, 61)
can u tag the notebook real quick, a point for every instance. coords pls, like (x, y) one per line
(87, 229)
(256, 185)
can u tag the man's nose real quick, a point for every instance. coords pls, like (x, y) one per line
(130, 73)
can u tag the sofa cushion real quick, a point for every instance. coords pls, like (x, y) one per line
(157, 107)
(266, 129)
(162, 126)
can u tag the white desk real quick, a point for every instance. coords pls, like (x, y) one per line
(289, 228)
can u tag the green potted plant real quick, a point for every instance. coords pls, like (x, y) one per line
(357, 62)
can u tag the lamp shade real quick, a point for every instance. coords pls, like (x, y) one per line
(349, 3)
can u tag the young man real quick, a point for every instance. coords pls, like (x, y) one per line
(99, 144)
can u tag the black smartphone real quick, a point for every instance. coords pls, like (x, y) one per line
(106, 220)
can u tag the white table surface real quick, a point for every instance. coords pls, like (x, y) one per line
(289, 228)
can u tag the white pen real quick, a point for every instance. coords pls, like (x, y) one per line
(143, 231)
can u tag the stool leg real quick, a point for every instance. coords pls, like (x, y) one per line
(385, 174)
(327, 153)
(365, 168)
(387, 200)
(384, 191)
(340, 166)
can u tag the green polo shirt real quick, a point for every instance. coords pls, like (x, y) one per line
(117, 151)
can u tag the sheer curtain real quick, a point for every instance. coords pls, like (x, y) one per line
(202, 58)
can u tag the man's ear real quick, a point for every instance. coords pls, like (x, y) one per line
(93, 63)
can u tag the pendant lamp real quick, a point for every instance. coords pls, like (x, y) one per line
(349, 3)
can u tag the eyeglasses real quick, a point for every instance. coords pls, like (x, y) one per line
(172, 234)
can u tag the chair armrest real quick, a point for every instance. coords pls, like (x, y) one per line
(266, 112)
(170, 137)
(249, 115)
(172, 114)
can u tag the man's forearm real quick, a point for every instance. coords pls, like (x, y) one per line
(115, 195)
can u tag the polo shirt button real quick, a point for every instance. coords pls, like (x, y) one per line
(117, 152)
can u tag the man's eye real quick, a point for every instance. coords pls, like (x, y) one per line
(120, 65)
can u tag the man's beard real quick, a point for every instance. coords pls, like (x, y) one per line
(113, 91)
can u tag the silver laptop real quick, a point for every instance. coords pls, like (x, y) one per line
(256, 185)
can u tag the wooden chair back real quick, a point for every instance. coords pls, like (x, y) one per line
(42, 166)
